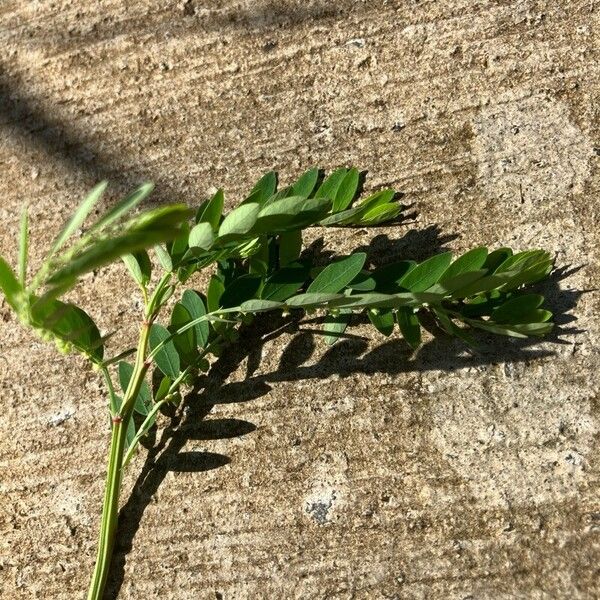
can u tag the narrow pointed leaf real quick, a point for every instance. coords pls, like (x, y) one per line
(123, 207)
(210, 211)
(265, 187)
(256, 306)
(11, 288)
(312, 300)
(79, 217)
(306, 184)
(105, 251)
(331, 184)
(346, 191)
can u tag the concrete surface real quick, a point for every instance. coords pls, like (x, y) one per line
(357, 472)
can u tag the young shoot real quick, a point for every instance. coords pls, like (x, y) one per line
(258, 264)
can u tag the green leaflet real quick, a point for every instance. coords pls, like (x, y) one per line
(448, 325)
(256, 306)
(378, 207)
(345, 217)
(306, 184)
(293, 212)
(338, 275)
(239, 221)
(382, 320)
(201, 236)
(312, 300)
(409, 326)
(335, 325)
(290, 246)
(387, 278)
(178, 246)
(520, 261)
(11, 288)
(531, 274)
(265, 187)
(105, 251)
(481, 285)
(130, 433)
(185, 343)
(285, 283)
(521, 309)
(380, 214)
(331, 184)
(517, 330)
(449, 285)
(210, 210)
(379, 198)
(346, 191)
(473, 260)
(213, 293)
(162, 389)
(167, 359)
(195, 306)
(241, 289)
(123, 207)
(163, 258)
(377, 300)
(139, 266)
(496, 258)
(143, 400)
(78, 217)
(363, 282)
(71, 325)
(424, 275)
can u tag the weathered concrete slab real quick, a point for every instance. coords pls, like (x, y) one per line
(371, 473)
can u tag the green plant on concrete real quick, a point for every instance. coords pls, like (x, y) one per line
(255, 254)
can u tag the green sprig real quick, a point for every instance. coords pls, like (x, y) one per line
(256, 253)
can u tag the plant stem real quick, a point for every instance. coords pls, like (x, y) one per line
(110, 509)
(110, 512)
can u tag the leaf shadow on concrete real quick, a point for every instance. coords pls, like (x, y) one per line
(188, 18)
(32, 121)
(349, 356)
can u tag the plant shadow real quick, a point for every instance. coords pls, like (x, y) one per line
(349, 356)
